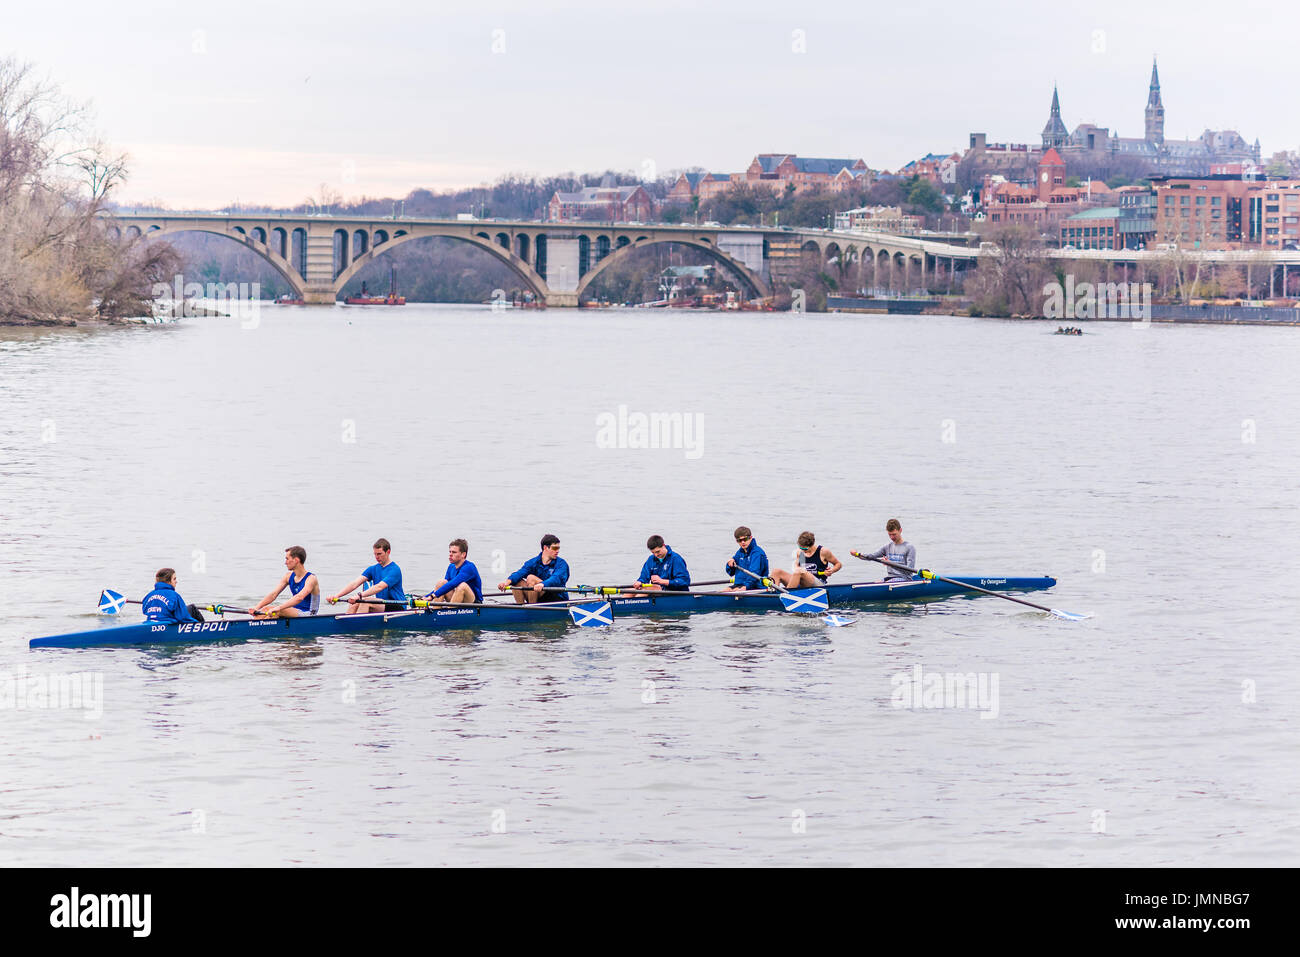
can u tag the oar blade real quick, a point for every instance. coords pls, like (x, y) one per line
(805, 599)
(592, 614)
(1069, 615)
(838, 621)
(110, 602)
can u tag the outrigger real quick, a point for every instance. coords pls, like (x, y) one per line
(420, 615)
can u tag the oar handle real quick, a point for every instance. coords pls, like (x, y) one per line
(768, 582)
(928, 575)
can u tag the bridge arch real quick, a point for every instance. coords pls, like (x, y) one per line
(756, 285)
(280, 264)
(527, 275)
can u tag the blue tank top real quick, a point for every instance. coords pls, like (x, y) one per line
(311, 603)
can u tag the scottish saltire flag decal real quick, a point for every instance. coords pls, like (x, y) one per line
(110, 602)
(593, 614)
(805, 599)
(838, 621)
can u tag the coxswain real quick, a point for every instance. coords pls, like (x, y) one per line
(751, 557)
(382, 581)
(164, 605)
(304, 588)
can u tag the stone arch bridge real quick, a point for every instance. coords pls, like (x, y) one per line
(557, 262)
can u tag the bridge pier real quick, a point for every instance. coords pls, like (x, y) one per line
(561, 300)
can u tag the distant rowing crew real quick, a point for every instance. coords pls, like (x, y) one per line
(545, 577)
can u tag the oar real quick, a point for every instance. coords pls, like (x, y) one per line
(583, 611)
(931, 576)
(635, 586)
(801, 599)
(111, 602)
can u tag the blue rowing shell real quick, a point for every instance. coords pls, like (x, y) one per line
(476, 617)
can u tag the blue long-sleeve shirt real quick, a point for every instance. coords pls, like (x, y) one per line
(755, 559)
(554, 575)
(165, 606)
(673, 568)
(467, 574)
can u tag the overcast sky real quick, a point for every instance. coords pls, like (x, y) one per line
(265, 101)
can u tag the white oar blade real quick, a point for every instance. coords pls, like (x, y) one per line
(805, 599)
(110, 602)
(1069, 615)
(838, 621)
(593, 614)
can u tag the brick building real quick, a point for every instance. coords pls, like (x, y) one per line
(703, 185)
(779, 170)
(1227, 212)
(1224, 212)
(619, 204)
(1047, 200)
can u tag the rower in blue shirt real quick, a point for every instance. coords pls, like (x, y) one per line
(540, 577)
(381, 581)
(163, 604)
(748, 556)
(462, 584)
(664, 570)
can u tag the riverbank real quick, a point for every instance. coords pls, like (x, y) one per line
(1199, 314)
(22, 322)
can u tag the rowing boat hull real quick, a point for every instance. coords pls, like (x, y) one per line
(456, 617)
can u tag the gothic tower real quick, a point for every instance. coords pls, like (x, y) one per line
(1155, 112)
(1054, 133)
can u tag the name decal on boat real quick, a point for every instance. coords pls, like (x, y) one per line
(993, 581)
(191, 626)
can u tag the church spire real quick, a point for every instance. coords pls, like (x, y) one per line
(1054, 133)
(1155, 111)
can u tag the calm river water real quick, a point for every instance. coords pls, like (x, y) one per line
(1152, 471)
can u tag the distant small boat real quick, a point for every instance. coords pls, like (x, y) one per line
(288, 300)
(392, 299)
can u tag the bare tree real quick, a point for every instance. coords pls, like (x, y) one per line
(1009, 278)
(56, 177)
